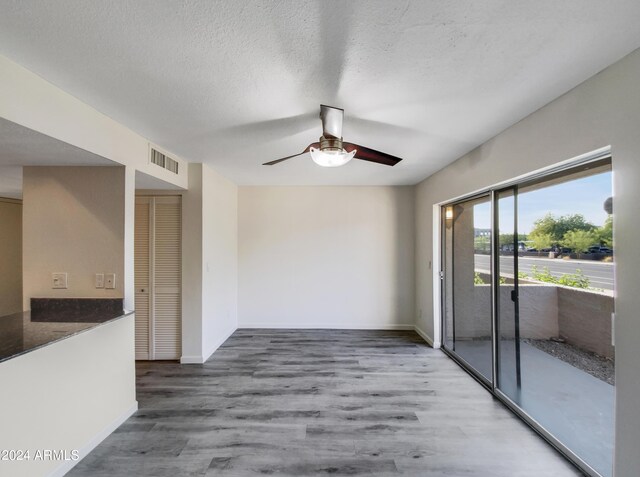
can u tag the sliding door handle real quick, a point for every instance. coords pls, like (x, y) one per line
(514, 296)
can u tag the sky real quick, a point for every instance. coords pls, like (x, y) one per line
(584, 196)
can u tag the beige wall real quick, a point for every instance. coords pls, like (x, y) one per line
(73, 221)
(10, 256)
(585, 319)
(604, 110)
(538, 308)
(209, 264)
(326, 257)
(68, 395)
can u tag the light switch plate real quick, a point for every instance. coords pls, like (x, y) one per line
(59, 280)
(110, 280)
(99, 280)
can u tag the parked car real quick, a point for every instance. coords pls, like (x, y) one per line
(599, 249)
(508, 247)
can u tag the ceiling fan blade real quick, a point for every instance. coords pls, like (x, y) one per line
(331, 121)
(371, 155)
(272, 163)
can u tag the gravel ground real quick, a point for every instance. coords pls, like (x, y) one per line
(597, 366)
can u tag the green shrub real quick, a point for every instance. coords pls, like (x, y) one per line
(542, 276)
(477, 280)
(575, 280)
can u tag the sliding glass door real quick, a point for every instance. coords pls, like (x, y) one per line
(467, 297)
(528, 301)
(509, 376)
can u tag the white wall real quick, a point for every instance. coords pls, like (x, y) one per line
(326, 257)
(192, 268)
(210, 265)
(73, 221)
(219, 259)
(604, 110)
(68, 395)
(10, 256)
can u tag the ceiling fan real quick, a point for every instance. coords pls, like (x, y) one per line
(332, 151)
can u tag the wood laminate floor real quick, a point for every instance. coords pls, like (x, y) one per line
(320, 402)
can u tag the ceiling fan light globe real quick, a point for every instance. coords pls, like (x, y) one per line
(331, 158)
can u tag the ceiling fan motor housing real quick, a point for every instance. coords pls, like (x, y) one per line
(330, 144)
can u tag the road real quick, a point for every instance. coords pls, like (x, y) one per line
(600, 274)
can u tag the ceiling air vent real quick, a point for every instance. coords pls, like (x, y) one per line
(160, 159)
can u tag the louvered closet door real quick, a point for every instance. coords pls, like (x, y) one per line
(167, 279)
(158, 278)
(142, 257)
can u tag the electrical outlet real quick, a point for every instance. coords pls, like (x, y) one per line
(110, 280)
(59, 280)
(99, 280)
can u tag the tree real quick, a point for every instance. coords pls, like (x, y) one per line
(482, 244)
(605, 233)
(507, 239)
(580, 240)
(558, 227)
(541, 240)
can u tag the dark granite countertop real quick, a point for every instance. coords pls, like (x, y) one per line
(50, 321)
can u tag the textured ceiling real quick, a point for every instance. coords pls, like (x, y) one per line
(238, 83)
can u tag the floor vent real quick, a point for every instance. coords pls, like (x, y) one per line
(160, 159)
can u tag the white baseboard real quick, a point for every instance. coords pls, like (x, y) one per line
(314, 326)
(206, 355)
(66, 466)
(426, 337)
